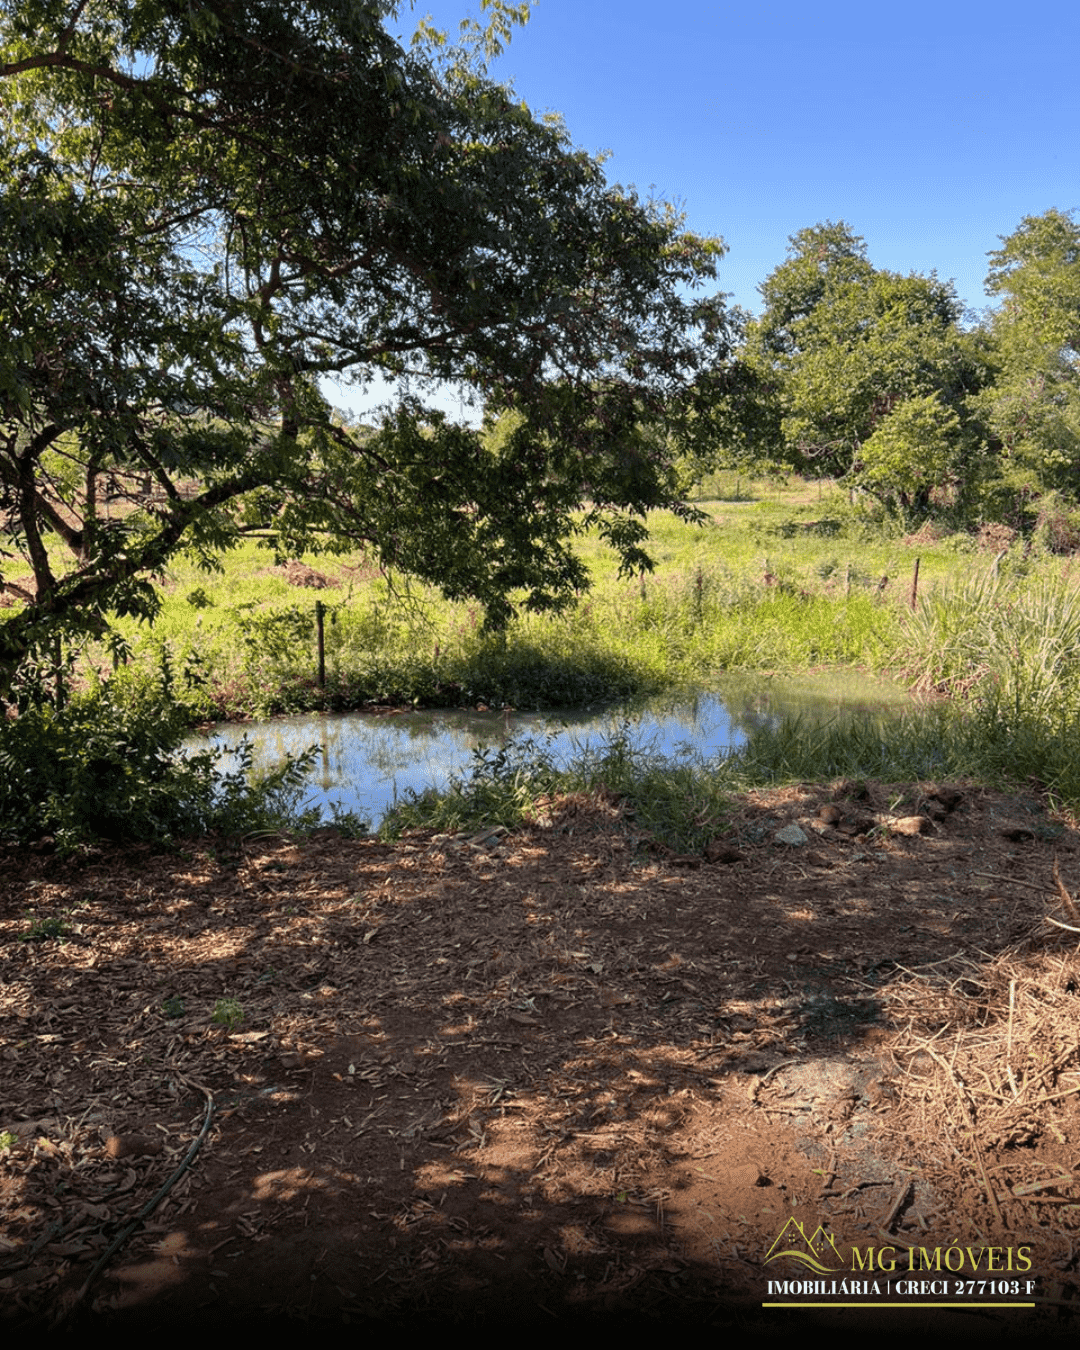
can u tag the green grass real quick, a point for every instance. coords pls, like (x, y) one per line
(41, 930)
(784, 582)
(793, 579)
(1018, 637)
(685, 803)
(679, 803)
(1002, 639)
(227, 1013)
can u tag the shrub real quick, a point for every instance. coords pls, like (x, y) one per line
(102, 768)
(1057, 526)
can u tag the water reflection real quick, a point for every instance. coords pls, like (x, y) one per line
(366, 762)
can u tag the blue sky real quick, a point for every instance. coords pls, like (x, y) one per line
(930, 128)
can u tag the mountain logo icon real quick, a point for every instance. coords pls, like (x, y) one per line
(813, 1252)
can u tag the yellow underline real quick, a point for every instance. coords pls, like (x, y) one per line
(910, 1303)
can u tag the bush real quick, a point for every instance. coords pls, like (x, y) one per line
(1057, 526)
(100, 768)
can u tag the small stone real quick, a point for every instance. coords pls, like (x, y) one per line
(910, 825)
(793, 835)
(132, 1145)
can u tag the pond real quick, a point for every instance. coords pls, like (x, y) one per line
(367, 761)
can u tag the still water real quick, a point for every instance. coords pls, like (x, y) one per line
(366, 762)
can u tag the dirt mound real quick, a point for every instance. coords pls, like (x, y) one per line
(300, 574)
(995, 537)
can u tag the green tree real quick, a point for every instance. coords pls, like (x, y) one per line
(915, 449)
(849, 347)
(1033, 406)
(211, 206)
(821, 260)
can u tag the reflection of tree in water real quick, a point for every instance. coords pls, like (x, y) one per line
(756, 717)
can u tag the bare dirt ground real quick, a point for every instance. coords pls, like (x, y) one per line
(553, 1076)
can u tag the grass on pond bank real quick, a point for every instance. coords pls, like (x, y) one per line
(785, 583)
(752, 589)
(236, 657)
(685, 804)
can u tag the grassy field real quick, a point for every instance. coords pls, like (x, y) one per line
(785, 578)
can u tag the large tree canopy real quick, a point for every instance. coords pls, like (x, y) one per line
(869, 367)
(1033, 407)
(211, 206)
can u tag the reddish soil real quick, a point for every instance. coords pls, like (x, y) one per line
(553, 1076)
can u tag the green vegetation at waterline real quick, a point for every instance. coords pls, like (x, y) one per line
(625, 641)
(796, 579)
(788, 582)
(687, 803)
(1006, 649)
(678, 804)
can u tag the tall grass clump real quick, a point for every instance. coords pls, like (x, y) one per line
(1014, 644)
(969, 741)
(706, 620)
(786, 631)
(923, 744)
(676, 803)
(501, 787)
(1007, 652)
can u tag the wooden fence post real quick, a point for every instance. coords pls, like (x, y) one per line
(320, 610)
